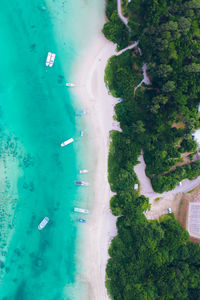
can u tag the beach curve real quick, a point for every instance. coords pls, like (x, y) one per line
(94, 96)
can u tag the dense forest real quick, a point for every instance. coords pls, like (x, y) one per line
(161, 117)
(153, 259)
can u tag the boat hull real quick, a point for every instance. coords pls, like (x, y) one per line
(43, 223)
(67, 142)
(52, 59)
(70, 84)
(81, 182)
(82, 220)
(83, 171)
(48, 59)
(81, 210)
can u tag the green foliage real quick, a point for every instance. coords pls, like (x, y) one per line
(168, 87)
(184, 25)
(157, 199)
(169, 181)
(163, 71)
(120, 75)
(116, 32)
(128, 202)
(151, 260)
(192, 68)
(122, 156)
(111, 6)
(188, 144)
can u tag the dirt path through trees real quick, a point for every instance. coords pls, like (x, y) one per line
(166, 198)
(119, 11)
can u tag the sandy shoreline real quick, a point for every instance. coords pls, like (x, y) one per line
(93, 95)
(101, 226)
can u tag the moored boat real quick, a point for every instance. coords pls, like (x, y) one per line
(70, 84)
(48, 59)
(52, 59)
(82, 220)
(67, 142)
(83, 171)
(81, 210)
(77, 182)
(43, 223)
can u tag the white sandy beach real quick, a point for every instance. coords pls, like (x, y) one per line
(94, 97)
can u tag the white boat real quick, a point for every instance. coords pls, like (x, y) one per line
(70, 84)
(82, 133)
(83, 171)
(48, 59)
(67, 142)
(52, 59)
(43, 223)
(81, 210)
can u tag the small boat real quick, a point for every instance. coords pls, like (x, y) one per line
(52, 59)
(81, 112)
(48, 59)
(43, 223)
(81, 210)
(82, 133)
(81, 183)
(70, 84)
(67, 142)
(82, 220)
(83, 171)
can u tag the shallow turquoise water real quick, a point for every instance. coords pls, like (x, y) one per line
(36, 174)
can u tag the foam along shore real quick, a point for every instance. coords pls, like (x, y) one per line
(101, 225)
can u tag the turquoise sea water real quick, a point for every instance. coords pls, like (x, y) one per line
(36, 174)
